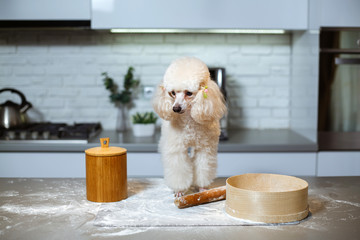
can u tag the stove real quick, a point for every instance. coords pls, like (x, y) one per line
(48, 132)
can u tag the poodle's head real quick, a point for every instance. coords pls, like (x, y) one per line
(187, 86)
(183, 79)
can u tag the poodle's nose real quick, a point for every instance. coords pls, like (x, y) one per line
(177, 109)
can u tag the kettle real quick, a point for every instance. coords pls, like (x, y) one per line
(11, 114)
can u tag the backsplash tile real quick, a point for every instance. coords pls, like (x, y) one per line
(60, 71)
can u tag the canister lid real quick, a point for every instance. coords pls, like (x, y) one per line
(105, 150)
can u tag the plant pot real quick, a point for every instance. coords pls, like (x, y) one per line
(143, 130)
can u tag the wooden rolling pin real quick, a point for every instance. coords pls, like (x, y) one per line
(207, 196)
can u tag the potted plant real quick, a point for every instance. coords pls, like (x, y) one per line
(122, 98)
(144, 124)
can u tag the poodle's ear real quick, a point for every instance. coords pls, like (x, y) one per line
(209, 104)
(162, 104)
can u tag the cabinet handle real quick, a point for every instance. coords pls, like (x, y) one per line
(339, 61)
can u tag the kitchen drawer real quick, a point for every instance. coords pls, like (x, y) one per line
(61, 165)
(42, 165)
(338, 163)
(298, 164)
(70, 165)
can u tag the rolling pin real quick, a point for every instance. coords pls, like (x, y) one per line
(211, 195)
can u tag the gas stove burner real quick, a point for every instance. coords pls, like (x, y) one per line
(52, 132)
(79, 131)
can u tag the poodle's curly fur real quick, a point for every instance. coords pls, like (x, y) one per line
(191, 105)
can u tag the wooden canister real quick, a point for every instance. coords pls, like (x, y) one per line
(106, 173)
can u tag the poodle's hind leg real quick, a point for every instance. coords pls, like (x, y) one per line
(205, 165)
(178, 171)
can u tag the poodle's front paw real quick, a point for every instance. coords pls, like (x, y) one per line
(201, 189)
(179, 194)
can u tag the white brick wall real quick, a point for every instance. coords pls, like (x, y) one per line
(59, 71)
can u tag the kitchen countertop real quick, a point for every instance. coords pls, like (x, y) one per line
(282, 140)
(58, 209)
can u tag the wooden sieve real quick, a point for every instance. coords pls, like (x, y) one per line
(269, 198)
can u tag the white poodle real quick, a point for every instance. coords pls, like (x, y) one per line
(191, 105)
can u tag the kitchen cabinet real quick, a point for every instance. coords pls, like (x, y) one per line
(333, 163)
(62, 164)
(69, 164)
(21, 10)
(200, 14)
(148, 164)
(334, 13)
(38, 164)
(295, 163)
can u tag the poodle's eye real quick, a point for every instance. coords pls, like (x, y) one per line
(189, 94)
(172, 93)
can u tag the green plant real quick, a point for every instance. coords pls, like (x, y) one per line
(144, 118)
(124, 96)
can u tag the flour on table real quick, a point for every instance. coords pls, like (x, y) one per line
(9, 194)
(151, 204)
(63, 203)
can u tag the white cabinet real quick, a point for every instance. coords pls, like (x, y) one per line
(72, 165)
(338, 164)
(200, 14)
(44, 10)
(42, 165)
(295, 163)
(334, 13)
